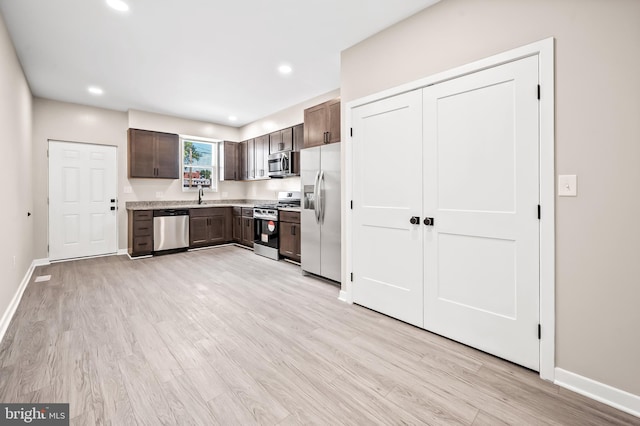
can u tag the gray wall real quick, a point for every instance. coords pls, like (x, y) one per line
(16, 173)
(597, 138)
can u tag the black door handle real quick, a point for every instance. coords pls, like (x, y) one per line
(415, 220)
(113, 208)
(429, 221)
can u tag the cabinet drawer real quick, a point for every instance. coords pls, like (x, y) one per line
(287, 216)
(237, 211)
(142, 215)
(142, 228)
(142, 245)
(247, 212)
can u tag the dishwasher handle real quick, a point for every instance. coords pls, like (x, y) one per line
(170, 212)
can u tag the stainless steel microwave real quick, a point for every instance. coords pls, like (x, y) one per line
(283, 164)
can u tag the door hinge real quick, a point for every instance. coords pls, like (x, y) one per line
(539, 212)
(351, 204)
(47, 153)
(539, 331)
(47, 248)
(351, 131)
(352, 277)
(538, 92)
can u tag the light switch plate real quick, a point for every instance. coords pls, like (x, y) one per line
(567, 185)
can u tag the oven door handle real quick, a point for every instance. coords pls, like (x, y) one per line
(316, 183)
(282, 156)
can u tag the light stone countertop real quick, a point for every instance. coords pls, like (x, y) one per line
(190, 204)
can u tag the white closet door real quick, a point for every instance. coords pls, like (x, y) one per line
(82, 183)
(481, 188)
(387, 187)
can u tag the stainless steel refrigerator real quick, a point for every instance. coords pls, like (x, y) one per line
(320, 218)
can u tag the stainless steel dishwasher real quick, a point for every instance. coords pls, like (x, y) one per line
(170, 229)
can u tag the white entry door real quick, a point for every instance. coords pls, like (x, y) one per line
(481, 187)
(82, 193)
(387, 186)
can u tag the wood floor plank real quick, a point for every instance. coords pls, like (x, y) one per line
(223, 336)
(148, 402)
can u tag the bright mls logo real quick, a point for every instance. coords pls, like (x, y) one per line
(34, 414)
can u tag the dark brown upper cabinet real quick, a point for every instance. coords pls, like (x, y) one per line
(280, 141)
(242, 160)
(298, 138)
(153, 154)
(262, 157)
(322, 124)
(230, 159)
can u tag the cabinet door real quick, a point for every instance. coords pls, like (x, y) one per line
(167, 160)
(315, 120)
(287, 139)
(287, 239)
(230, 151)
(198, 230)
(333, 121)
(237, 228)
(298, 137)
(275, 142)
(247, 231)
(251, 159)
(141, 154)
(262, 157)
(243, 160)
(217, 229)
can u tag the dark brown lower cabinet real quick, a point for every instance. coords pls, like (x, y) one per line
(290, 235)
(140, 241)
(236, 226)
(246, 227)
(209, 226)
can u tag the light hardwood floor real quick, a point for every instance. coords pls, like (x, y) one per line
(223, 336)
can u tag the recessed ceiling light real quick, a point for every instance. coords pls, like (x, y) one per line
(233, 118)
(94, 90)
(285, 69)
(118, 5)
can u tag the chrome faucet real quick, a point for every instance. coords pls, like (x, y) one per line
(200, 194)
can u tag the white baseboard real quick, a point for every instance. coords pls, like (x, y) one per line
(617, 398)
(344, 296)
(41, 262)
(122, 252)
(13, 305)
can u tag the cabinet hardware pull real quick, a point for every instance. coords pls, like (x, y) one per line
(293, 230)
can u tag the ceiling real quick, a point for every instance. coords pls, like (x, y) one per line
(199, 59)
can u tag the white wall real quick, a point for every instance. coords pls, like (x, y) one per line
(16, 172)
(597, 138)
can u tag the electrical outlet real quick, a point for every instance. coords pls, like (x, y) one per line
(567, 185)
(225, 194)
(159, 194)
(127, 190)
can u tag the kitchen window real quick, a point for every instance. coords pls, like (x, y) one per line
(199, 164)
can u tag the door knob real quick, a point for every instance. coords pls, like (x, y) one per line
(429, 221)
(415, 220)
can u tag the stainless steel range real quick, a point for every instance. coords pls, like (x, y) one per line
(266, 226)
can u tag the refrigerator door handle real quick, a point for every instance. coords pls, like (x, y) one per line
(320, 192)
(316, 183)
